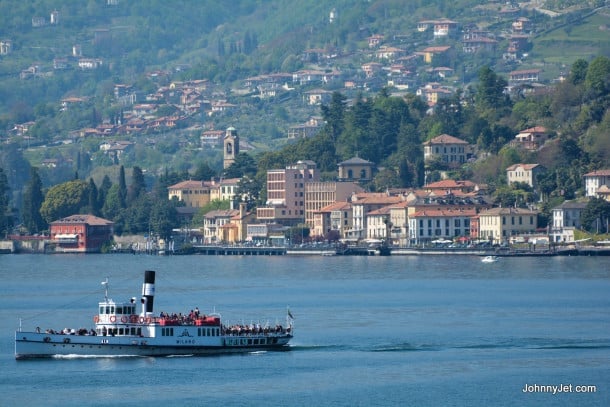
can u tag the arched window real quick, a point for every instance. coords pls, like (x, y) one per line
(350, 174)
(363, 173)
(229, 148)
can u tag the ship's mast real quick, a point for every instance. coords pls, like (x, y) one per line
(105, 284)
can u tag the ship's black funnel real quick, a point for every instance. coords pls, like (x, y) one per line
(148, 292)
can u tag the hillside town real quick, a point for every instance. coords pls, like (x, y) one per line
(442, 211)
(386, 61)
(446, 213)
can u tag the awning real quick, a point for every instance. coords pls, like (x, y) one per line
(66, 236)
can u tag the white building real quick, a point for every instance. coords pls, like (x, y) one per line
(566, 218)
(594, 180)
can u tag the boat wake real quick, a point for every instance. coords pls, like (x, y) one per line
(514, 343)
(77, 356)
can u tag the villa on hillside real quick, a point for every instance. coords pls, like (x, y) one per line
(595, 182)
(532, 138)
(526, 173)
(448, 149)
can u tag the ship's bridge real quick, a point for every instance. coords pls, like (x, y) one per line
(109, 309)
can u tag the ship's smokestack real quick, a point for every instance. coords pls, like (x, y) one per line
(148, 292)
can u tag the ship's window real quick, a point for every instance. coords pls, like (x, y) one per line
(119, 310)
(101, 310)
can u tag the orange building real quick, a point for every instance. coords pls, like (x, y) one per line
(81, 233)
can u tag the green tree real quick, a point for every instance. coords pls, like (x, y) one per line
(5, 218)
(163, 218)
(138, 185)
(249, 191)
(596, 215)
(94, 207)
(243, 165)
(102, 192)
(112, 204)
(203, 172)
(122, 188)
(33, 197)
(578, 72)
(490, 98)
(334, 114)
(597, 80)
(137, 215)
(64, 200)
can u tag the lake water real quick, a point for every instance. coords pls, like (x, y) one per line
(369, 331)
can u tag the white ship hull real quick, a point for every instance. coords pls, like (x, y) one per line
(121, 331)
(40, 345)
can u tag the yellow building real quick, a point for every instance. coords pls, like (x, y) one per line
(499, 224)
(193, 193)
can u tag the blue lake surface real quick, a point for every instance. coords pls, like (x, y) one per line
(369, 331)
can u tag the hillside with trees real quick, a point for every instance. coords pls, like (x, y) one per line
(223, 44)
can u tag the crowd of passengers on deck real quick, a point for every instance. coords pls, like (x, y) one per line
(69, 331)
(253, 329)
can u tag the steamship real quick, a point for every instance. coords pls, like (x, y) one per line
(121, 331)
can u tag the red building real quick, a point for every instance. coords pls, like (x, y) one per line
(81, 233)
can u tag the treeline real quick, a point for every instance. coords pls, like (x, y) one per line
(133, 208)
(388, 131)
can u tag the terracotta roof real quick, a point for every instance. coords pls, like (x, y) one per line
(527, 167)
(507, 211)
(221, 213)
(355, 160)
(598, 173)
(535, 129)
(87, 219)
(189, 184)
(336, 206)
(445, 139)
(381, 211)
(449, 183)
(443, 213)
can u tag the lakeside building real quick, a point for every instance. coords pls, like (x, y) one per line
(193, 193)
(364, 203)
(434, 224)
(81, 233)
(497, 225)
(335, 217)
(566, 219)
(321, 194)
(286, 193)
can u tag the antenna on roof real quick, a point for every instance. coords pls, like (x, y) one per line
(105, 284)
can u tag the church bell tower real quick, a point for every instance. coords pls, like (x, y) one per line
(231, 147)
